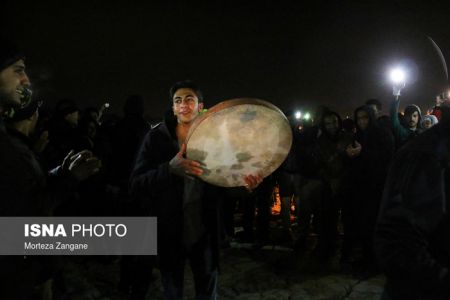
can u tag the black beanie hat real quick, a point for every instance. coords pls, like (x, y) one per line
(9, 53)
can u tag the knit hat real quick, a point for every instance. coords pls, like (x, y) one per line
(9, 53)
(432, 119)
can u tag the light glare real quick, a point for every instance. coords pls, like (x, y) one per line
(397, 76)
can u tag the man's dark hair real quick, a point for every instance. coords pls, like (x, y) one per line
(186, 84)
(375, 102)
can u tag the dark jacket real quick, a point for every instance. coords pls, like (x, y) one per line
(129, 133)
(369, 169)
(25, 189)
(412, 238)
(166, 195)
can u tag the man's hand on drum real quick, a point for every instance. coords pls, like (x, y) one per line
(182, 166)
(252, 182)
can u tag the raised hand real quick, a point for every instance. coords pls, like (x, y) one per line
(82, 165)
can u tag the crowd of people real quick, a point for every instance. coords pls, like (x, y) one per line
(383, 177)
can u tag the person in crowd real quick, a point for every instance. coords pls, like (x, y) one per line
(26, 189)
(369, 158)
(63, 132)
(428, 121)
(187, 208)
(383, 120)
(312, 188)
(410, 127)
(127, 135)
(92, 113)
(88, 128)
(376, 106)
(440, 99)
(412, 237)
(329, 151)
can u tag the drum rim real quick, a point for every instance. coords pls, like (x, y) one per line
(227, 104)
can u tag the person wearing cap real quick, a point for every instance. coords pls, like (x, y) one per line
(429, 121)
(63, 131)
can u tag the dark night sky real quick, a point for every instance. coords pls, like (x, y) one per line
(293, 55)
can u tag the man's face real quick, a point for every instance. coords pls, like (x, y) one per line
(185, 105)
(412, 119)
(362, 119)
(331, 124)
(13, 80)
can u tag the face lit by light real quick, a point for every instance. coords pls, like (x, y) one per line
(412, 120)
(185, 105)
(13, 81)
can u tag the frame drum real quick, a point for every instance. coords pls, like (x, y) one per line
(239, 137)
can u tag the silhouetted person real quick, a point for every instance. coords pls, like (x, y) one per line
(412, 238)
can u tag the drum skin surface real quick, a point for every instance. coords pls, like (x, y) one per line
(239, 137)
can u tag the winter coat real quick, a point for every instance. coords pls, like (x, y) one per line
(412, 238)
(170, 197)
